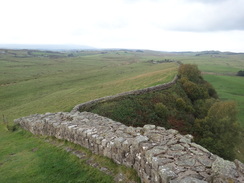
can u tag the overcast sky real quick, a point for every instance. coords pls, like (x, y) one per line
(168, 25)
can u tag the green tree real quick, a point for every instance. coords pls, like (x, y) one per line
(219, 131)
(193, 90)
(191, 72)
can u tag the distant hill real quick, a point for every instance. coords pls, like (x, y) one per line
(46, 47)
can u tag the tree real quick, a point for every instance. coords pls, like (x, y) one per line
(191, 72)
(219, 131)
(194, 91)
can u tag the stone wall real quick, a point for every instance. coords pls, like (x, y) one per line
(82, 106)
(158, 155)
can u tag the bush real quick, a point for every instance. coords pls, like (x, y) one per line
(161, 110)
(240, 73)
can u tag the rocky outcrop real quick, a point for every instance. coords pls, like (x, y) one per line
(157, 154)
(82, 106)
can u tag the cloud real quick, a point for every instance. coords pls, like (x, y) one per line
(199, 15)
(152, 24)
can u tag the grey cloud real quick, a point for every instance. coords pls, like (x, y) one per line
(213, 17)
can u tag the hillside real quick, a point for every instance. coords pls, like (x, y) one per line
(191, 107)
(34, 81)
(40, 81)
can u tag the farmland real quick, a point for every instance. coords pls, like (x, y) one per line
(39, 82)
(46, 84)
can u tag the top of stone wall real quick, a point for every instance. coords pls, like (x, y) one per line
(157, 154)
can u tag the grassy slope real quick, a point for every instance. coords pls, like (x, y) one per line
(41, 84)
(28, 158)
(51, 85)
(33, 160)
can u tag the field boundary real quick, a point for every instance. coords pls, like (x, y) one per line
(90, 103)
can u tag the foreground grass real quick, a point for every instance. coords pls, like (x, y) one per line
(28, 158)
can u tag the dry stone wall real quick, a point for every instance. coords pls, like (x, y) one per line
(157, 154)
(164, 86)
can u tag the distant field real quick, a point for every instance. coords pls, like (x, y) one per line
(46, 84)
(230, 88)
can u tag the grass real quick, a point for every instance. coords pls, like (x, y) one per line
(230, 88)
(39, 84)
(35, 160)
(52, 85)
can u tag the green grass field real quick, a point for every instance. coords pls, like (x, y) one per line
(43, 82)
(230, 88)
(40, 83)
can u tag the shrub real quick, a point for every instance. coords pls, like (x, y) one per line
(240, 73)
(161, 110)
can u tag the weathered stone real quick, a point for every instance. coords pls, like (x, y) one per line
(198, 168)
(224, 167)
(146, 146)
(155, 176)
(130, 130)
(176, 147)
(166, 174)
(139, 139)
(155, 137)
(199, 147)
(191, 180)
(176, 154)
(240, 166)
(118, 141)
(172, 141)
(160, 128)
(172, 131)
(185, 140)
(149, 127)
(204, 160)
(154, 152)
(197, 152)
(186, 160)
